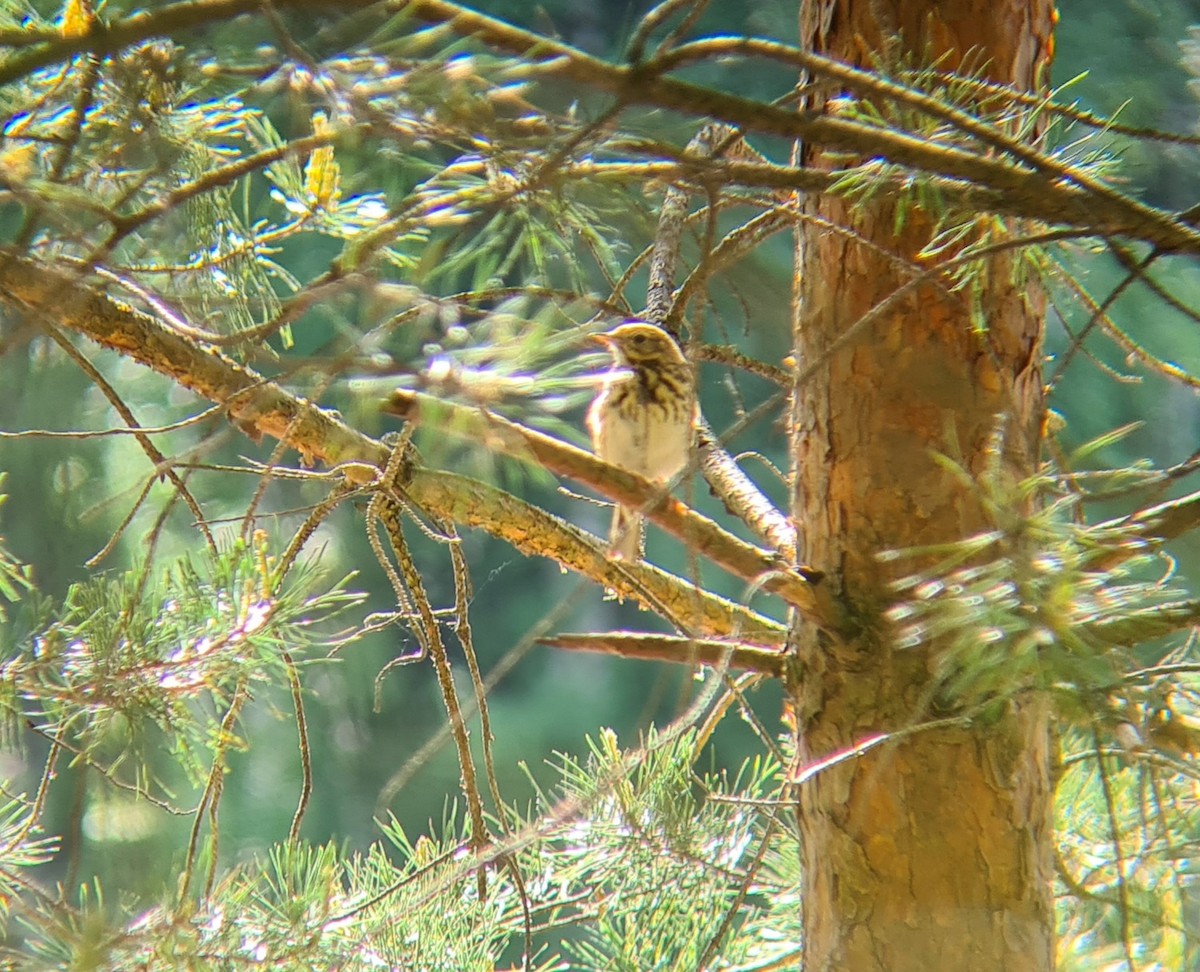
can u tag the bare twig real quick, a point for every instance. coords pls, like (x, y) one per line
(143, 439)
(210, 800)
(669, 648)
(306, 785)
(389, 513)
(462, 628)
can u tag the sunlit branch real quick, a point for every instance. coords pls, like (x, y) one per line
(260, 407)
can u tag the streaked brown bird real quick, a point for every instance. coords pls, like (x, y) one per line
(643, 418)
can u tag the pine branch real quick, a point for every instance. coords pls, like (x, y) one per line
(1060, 206)
(1139, 627)
(1007, 187)
(643, 85)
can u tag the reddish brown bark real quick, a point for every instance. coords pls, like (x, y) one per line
(931, 852)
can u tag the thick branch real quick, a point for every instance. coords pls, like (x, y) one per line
(741, 495)
(259, 406)
(532, 530)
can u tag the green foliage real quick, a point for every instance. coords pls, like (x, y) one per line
(655, 881)
(686, 863)
(14, 575)
(1125, 860)
(21, 848)
(1029, 604)
(151, 656)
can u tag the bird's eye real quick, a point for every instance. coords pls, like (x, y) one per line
(639, 339)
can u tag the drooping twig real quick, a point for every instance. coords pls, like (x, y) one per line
(211, 799)
(306, 774)
(143, 439)
(463, 594)
(388, 510)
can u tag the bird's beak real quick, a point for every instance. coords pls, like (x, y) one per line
(605, 339)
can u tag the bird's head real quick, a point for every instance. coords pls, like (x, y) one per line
(637, 343)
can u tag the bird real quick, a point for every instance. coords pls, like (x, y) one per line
(643, 418)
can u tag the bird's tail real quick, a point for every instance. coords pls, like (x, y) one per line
(627, 534)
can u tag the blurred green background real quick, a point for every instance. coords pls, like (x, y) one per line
(67, 497)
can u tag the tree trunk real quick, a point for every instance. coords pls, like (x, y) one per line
(932, 851)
